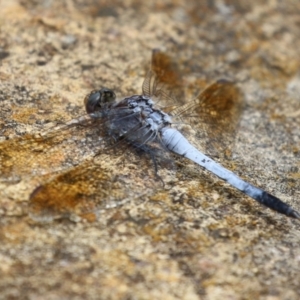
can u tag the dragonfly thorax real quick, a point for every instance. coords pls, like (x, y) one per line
(135, 119)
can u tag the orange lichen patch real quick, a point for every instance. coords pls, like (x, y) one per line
(234, 221)
(157, 230)
(160, 196)
(27, 115)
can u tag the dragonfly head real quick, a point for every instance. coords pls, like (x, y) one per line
(98, 99)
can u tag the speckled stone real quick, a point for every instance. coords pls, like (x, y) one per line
(196, 239)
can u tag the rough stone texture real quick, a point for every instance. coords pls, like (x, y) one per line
(199, 239)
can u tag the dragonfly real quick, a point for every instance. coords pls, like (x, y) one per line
(134, 138)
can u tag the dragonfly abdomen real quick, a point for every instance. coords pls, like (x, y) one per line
(177, 143)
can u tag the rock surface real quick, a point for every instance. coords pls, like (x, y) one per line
(199, 239)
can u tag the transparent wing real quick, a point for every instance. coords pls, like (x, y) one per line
(36, 155)
(163, 80)
(79, 172)
(214, 114)
(109, 180)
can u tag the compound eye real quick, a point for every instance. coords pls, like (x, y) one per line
(107, 95)
(92, 102)
(96, 100)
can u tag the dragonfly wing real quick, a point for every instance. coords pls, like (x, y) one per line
(214, 114)
(36, 155)
(106, 181)
(163, 80)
